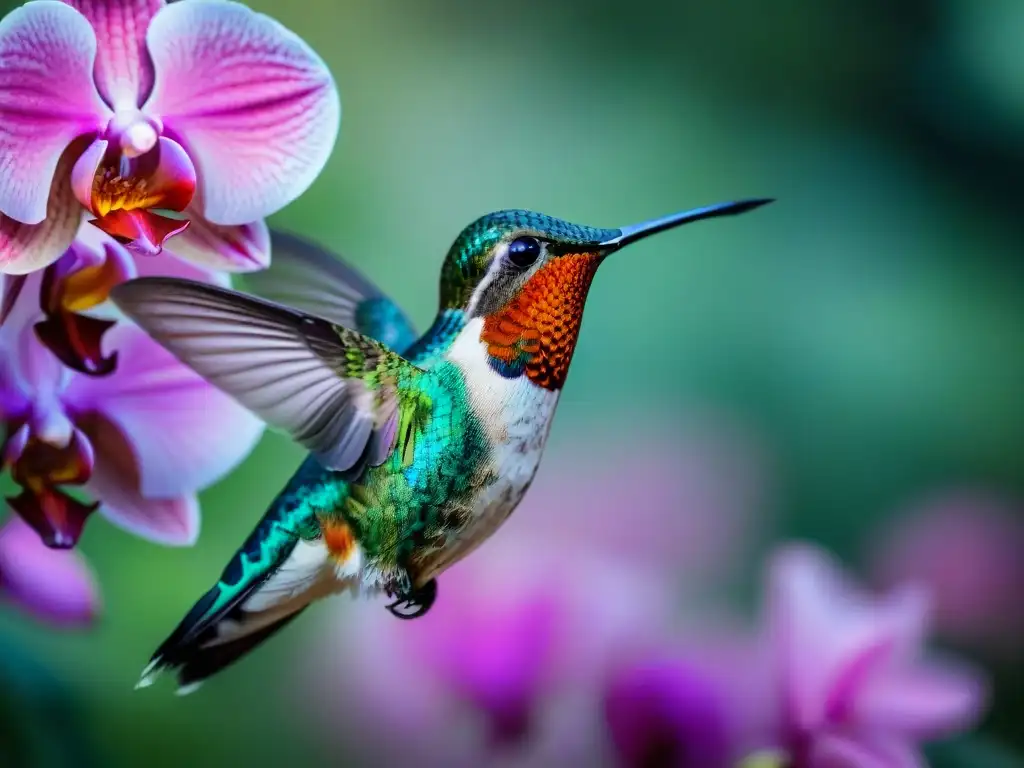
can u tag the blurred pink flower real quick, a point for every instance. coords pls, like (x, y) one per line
(53, 585)
(201, 107)
(503, 669)
(703, 698)
(511, 665)
(141, 441)
(670, 712)
(967, 548)
(834, 678)
(856, 689)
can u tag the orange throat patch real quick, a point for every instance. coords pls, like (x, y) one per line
(536, 331)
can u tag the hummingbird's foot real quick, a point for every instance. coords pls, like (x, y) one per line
(416, 603)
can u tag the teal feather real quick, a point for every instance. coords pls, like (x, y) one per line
(289, 520)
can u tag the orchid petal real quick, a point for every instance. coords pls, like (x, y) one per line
(54, 585)
(116, 483)
(124, 73)
(171, 522)
(83, 174)
(57, 517)
(256, 108)
(25, 248)
(15, 395)
(41, 469)
(928, 701)
(168, 264)
(10, 290)
(14, 446)
(47, 99)
(37, 373)
(90, 285)
(77, 341)
(183, 433)
(141, 231)
(829, 636)
(842, 751)
(79, 281)
(64, 456)
(244, 248)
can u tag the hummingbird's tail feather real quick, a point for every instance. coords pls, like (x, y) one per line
(282, 567)
(194, 663)
(233, 618)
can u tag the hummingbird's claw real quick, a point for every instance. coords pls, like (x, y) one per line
(416, 603)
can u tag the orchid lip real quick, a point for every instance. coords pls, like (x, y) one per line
(633, 232)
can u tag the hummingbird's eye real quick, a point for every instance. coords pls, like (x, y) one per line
(523, 251)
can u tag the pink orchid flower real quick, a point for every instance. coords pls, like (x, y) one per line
(856, 689)
(200, 106)
(140, 442)
(53, 585)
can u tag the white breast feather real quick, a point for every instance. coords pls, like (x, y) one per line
(516, 416)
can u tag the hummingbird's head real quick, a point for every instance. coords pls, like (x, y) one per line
(527, 275)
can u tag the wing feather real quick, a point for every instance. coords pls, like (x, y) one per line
(332, 389)
(309, 278)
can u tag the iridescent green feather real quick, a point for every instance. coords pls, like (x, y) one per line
(439, 460)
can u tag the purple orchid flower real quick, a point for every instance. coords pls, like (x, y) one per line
(856, 690)
(701, 700)
(668, 714)
(510, 665)
(125, 106)
(53, 585)
(139, 442)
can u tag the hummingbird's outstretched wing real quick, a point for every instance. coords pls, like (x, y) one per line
(307, 277)
(334, 390)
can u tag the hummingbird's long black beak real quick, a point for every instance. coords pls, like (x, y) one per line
(634, 232)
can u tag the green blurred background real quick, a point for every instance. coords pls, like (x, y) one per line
(867, 327)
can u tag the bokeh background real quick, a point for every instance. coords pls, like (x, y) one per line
(843, 366)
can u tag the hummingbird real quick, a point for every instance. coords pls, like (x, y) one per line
(419, 446)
